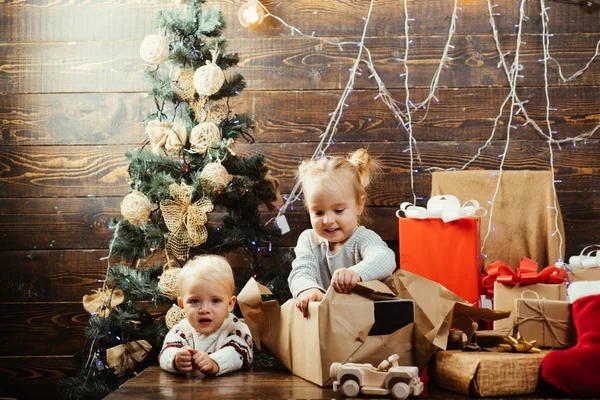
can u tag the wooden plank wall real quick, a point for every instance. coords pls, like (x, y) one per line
(72, 103)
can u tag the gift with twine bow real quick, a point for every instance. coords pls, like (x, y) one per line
(506, 285)
(548, 322)
(185, 221)
(123, 357)
(526, 274)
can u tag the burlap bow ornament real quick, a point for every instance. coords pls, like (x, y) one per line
(172, 137)
(124, 356)
(98, 303)
(185, 221)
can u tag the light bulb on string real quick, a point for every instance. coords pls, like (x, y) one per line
(251, 13)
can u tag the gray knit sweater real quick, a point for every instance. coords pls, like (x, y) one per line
(364, 252)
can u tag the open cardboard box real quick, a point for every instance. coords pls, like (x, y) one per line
(337, 328)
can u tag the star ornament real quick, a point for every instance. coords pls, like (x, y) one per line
(519, 345)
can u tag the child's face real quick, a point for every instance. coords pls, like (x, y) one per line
(206, 304)
(333, 213)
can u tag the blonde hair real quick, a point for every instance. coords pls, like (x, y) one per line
(211, 268)
(357, 168)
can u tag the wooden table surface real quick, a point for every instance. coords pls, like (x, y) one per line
(154, 383)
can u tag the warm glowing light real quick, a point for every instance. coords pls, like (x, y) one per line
(251, 13)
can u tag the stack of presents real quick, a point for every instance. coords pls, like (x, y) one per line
(507, 322)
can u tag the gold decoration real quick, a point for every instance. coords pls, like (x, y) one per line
(136, 208)
(167, 282)
(97, 302)
(229, 146)
(184, 85)
(161, 134)
(209, 78)
(155, 49)
(123, 357)
(203, 136)
(278, 200)
(176, 137)
(519, 345)
(214, 112)
(197, 107)
(174, 316)
(214, 176)
(185, 220)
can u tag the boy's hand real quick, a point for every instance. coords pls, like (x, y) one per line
(344, 280)
(306, 297)
(205, 364)
(184, 359)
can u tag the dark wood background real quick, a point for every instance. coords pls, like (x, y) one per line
(72, 100)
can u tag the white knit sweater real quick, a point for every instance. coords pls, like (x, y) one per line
(364, 252)
(230, 346)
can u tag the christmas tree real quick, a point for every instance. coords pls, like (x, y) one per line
(191, 194)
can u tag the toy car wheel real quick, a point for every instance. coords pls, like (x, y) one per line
(400, 391)
(350, 388)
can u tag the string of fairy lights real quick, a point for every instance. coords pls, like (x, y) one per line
(403, 111)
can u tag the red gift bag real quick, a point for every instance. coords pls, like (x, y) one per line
(445, 252)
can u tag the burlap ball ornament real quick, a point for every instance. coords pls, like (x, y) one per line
(167, 282)
(203, 136)
(214, 176)
(208, 79)
(184, 85)
(136, 208)
(214, 112)
(155, 49)
(174, 316)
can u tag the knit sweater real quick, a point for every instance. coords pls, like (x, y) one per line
(364, 252)
(230, 346)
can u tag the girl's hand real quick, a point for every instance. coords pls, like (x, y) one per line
(183, 359)
(205, 364)
(344, 280)
(306, 297)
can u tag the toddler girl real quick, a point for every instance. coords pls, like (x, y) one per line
(337, 251)
(210, 339)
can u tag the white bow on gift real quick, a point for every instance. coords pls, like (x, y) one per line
(446, 207)
(590, 260)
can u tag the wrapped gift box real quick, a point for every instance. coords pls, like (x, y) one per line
(483, 374)
(585, 274)
(444, 252)
(489, 338)
(548, 322)
(505, 295)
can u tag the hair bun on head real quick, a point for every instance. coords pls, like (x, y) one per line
(364, 165)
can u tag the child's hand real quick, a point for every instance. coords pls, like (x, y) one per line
(306, 297)
(205, 364)
(344, 280)
(183, 359)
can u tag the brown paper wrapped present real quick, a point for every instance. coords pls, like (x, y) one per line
(505, 295)
(483, 374)
(336, 330)
(585, 274)
(548, 322)
(337, 327)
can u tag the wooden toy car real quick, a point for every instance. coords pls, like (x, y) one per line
(388, 378)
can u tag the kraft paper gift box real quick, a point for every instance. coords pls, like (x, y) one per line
(548, 322)
(483, 374)
(504, 296)
(444, 252)
(336, 329)
(585, 274)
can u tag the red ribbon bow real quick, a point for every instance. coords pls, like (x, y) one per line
(526, 274)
